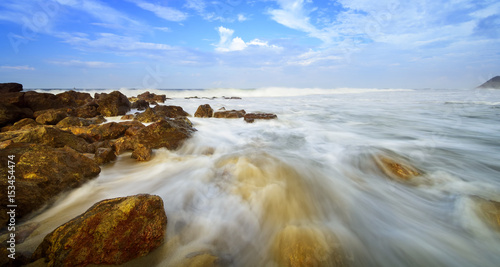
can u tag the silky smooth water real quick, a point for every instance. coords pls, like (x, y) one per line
(247, 193)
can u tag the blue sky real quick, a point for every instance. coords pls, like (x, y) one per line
(249, 44)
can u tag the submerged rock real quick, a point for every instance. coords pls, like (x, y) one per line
(489, 212)
(251, 117)
(230, 114)
(112, 104)
(204, 111)
(113, 231)
(396, 169)
(42, 173)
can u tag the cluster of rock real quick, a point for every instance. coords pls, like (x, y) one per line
(206, 111)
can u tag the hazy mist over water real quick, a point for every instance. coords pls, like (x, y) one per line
(242, 191)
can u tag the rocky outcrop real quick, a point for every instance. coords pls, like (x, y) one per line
(493, 83)
(10, 87)
(204, 111)
(230, 114)
(142, 153)
(24, 124)
(86, 111)
(112, 231)
(140, 104)
(104, 155)
(94, 133)
(42, 172)
(251, 117)
(50, 136)
(150, 97)
(170, 111)
(112, 104)
(42, 101)
(148, 116)
(74, 99)
(75, 121)
(10, 113)
(51, 116)
(132, 127)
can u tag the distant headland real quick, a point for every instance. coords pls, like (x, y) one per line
(491, 83)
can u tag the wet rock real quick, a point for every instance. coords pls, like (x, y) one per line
(24, 124)
(127, 117)
(148, 116)
(489, 212)
(10, 113)
(50, 136)
(142, 153)
(75, 121)
(113, 231)
(112, 104)
(396, 169)
(42, 173)
(42, 101)
(104, 155)
(74, 99)
(86, 111)
(133, 127)
(307, 246)
(204, 111)
(51, 116)
(94, 133)
(10, 87)
(230, 114)
(16, 99)
(170, 111)
(140, 104)
(251, 117)
(150, 97)
(122, 144)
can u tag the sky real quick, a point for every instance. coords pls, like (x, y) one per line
(175, 44)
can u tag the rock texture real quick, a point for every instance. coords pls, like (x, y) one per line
(397, 169)
(150, 97)
(10, 87)
(104, 155)
(489, 212)
(11, 113)
(491, 83)
(42, 172)
(204, 111)
(230, 114)
(51, 116)
(112, 231)
(112, 104)
(251, 117)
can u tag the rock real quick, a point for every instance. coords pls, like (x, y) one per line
(148, 116)
(140, 104)
(104, 155)
(16, 99)
(93, 133)
(10, 87)
(396, 169)
(230, 114)
(10, 113)
(133, 127)
(42, 101)
(232, 97)
(86, 111)
(251, 117)
(489, 212)
(48, 135)
(74, 99)
(493, 83)
(307, 246)
(113, 231)
(112, 104)
(23, 124)
(170, 111)
(42, 173)
(149, 97)
(127, 117)
(122, 144)
(142, 153)
(204, 111)
(51, 116)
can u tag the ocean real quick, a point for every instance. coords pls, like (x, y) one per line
(249, 194)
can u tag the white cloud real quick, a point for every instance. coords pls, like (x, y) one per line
(226, 44)
(24, 67)
(164, 12)
(163, 29)
(241, 17)
(84, 64)
(113, 42)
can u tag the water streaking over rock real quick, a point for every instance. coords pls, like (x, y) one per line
(342, 177)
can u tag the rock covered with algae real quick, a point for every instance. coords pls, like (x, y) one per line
(113, 231)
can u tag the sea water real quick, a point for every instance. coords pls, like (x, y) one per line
(256, 194)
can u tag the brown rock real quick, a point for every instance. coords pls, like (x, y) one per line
(149, 97)
(123, 144)
(142, 153)
(10, 87)
(112, 231)
(42, 101)
(74, 99)
(397, 169)
(93, 133)
(170, 111)
(112, 104)
(230, 114)
(251, 117)
(24, 124)
(140, 104)
(104, 155)
(489, 212)
(86, 111)
(148, 116)
(10, 113)
(42, 173)
(133, 127)
(127, 117)
(51, 116)
(48, 135)
(165, 133)
(204, 111)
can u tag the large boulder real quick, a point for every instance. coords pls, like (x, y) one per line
(94, 133)
(88, 110)
(111, 232)
(204, 111)
(112, 104)
(74, 99)
(170, 111)
(230, 114)
(10, 87)
(42, 173)
(50, 136)
(150, 97)
(42, 101)
(251, 117)
(10, 113)
(148, 116)
(140, 104)
(51, 116)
